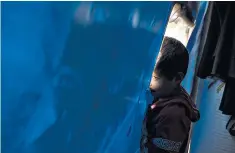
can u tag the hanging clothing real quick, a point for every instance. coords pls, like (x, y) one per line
(218, 50)
(218, 35)
(231, 125)
(227, 105)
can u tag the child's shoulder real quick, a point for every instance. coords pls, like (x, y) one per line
(173, 111)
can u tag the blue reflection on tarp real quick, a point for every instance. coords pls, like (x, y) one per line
(74, 74)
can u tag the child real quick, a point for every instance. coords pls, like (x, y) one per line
(168, 119)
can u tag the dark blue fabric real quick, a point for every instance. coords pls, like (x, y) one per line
(74, 74)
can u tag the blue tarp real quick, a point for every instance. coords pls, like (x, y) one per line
(74, 74)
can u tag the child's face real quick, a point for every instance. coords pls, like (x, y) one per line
(160, 86)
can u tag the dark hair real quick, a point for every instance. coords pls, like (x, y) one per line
(174, 58)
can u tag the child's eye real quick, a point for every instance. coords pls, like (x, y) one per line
(155, 77)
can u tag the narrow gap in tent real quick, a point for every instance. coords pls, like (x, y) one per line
(181, 30)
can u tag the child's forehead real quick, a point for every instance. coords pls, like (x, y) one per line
(156, 72)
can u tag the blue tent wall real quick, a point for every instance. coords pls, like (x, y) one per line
(73, 87)
(210, 134)
(192, 48)
(60, 95)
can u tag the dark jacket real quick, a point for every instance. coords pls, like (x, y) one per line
(167, 124)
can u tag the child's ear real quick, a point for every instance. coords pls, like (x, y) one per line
(179, 77)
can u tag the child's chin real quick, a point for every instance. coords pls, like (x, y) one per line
(155, 93)
(152, 91)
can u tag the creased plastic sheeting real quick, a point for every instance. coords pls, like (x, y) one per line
(74, 74)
